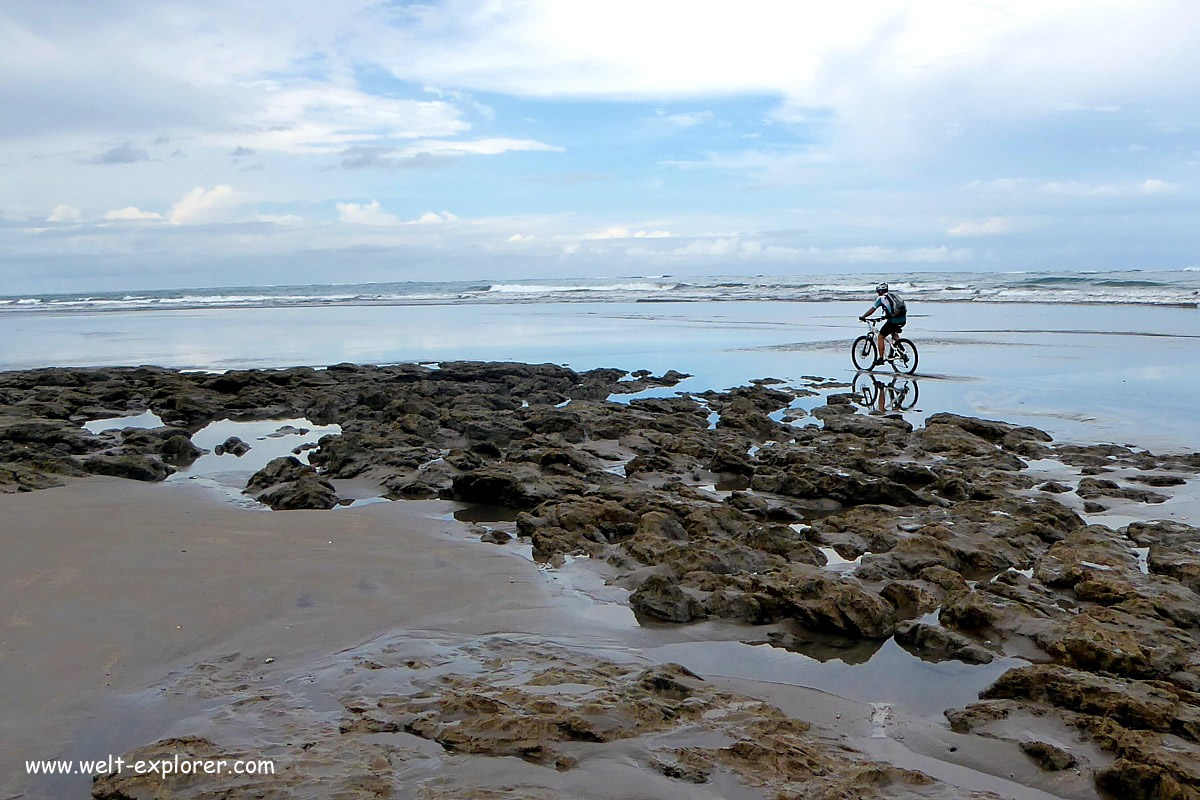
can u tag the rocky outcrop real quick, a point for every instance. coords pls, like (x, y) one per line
(287, 484)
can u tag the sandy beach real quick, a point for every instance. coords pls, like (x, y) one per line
(496, 580)
(171, 587)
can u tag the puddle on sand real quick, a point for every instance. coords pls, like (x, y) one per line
(1143, 559)
(891, 675)
(486, 513)
(147, 419)
(835, 563)
(229, 472)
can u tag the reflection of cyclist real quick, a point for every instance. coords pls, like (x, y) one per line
(895, 312)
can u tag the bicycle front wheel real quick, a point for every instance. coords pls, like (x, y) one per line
(905, 360)
(862, 352)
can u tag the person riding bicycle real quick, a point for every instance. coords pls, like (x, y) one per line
(895, 313)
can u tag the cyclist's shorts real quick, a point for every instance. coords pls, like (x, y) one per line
(889, 328)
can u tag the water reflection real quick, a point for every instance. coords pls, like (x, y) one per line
(883, 395)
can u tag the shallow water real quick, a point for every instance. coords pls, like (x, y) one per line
(1084, 373)
(889, 675)
(147, 419)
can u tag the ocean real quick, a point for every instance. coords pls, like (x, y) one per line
(1169, 288)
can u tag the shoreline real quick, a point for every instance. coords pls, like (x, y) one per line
(769, 527)
(559, 299)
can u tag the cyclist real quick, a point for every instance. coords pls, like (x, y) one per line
(895, 312)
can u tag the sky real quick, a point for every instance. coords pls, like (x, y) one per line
(164, 144)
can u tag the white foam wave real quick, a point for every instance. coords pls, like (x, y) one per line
(522, 288)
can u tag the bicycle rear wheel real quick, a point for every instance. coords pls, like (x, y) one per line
(862, 352)
(905, 360)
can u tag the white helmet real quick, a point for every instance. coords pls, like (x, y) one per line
(881, 288)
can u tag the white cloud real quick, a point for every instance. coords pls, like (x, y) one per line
(740, 248)
(131, 213)
(365, 214)
(373, 214)
(1156, 186)
(1020, 54)
(687, 119)
(478, 147)
(992, 226)
(202, 205)
(1077, 188)
(1084, 188)
(434, 217)
(326, 119)
(626, 233)
(280, 219)
(65, 213)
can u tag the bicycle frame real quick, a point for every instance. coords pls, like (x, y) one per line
(873, 325)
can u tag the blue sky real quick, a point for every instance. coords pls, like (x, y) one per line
(157, 145)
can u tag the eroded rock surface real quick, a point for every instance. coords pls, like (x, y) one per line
(503, 717)
(711, 505)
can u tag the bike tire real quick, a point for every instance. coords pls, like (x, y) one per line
(862, 352)
(905, 360)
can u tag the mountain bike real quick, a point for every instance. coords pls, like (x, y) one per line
(902, 356)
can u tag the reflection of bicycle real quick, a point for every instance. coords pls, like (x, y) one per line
(898, 394)
(902, 356)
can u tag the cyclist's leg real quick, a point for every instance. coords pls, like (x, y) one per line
(892, 330)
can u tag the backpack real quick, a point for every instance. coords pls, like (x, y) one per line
(897, 308)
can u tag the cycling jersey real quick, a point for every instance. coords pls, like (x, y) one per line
(889, 305)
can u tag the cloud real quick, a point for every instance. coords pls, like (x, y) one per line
(1156, 186)
(320, 118)
(437, 152)
(65, 213)
(202, 205)
(373, 214)
(625, 233)
(992, 226)
(365, 214)
(753, 250)
(280, 219)
(124, 153)
(1084, 188)
(131, 213)
(1077, 188)
(685, 120)
(433, 218)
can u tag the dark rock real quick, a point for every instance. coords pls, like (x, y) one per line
(286, 484)
(1159, 480)
(941, 643)
(308, 491)
(233, 446)
(1048, 756)
(512, 485)
(658, 598)
(132, 466)
(178, 449)
(1093, 488)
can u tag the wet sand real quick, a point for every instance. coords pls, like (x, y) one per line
(118, 593)
(108, 585)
